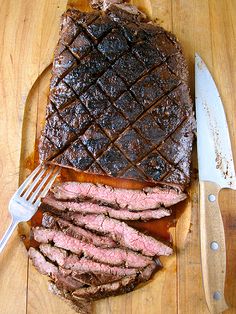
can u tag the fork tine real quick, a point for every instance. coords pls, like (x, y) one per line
(40, 186)
(27, 181)
(34, 183)
(47, 187)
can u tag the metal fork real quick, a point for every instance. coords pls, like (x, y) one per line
(26, 200)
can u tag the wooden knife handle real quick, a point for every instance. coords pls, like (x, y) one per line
(213, 252)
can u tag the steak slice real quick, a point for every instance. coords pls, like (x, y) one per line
(50, 203)
(91, 279)
(135, 200)
(112, 256)
(121, 286)
(122, 233)
(72, 281)
(81, 306)
(53, 253)
(124, 285)
(47, 268)
(84, 265)
(60, 256)
(40, 263)
(67, 283)
(50, 221)
(119, 103)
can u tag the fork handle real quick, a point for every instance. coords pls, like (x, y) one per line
(8, 233)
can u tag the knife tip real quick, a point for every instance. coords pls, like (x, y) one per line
(197, 56)
(199, 64)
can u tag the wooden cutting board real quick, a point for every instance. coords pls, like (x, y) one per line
(27, 38)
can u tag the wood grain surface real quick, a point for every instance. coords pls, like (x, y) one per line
(28, 36)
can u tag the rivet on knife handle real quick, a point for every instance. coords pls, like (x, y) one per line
(213, 252)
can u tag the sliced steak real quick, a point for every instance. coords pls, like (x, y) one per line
(55, 254)
(119, 104)
(121, 286)
(64, 279)
(81, 306)
(50, 203)
(40, 263)
(50, 221)
(122, 233)
(112, 256)
(91, 279)
(148, 198)
(84, 265)
(67, 283)
(146, 273)
(47, 268)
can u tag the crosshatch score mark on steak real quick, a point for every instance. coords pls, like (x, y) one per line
(119, 103)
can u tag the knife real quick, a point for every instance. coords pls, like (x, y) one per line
(216, 171)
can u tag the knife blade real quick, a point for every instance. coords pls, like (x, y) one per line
(216, 171)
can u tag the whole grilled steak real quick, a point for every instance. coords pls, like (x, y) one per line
(119, 103)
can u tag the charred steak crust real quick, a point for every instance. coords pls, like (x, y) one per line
(119, 104)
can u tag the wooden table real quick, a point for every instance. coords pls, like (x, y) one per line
(28, 35)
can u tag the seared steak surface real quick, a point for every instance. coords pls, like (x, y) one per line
(119, 103)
